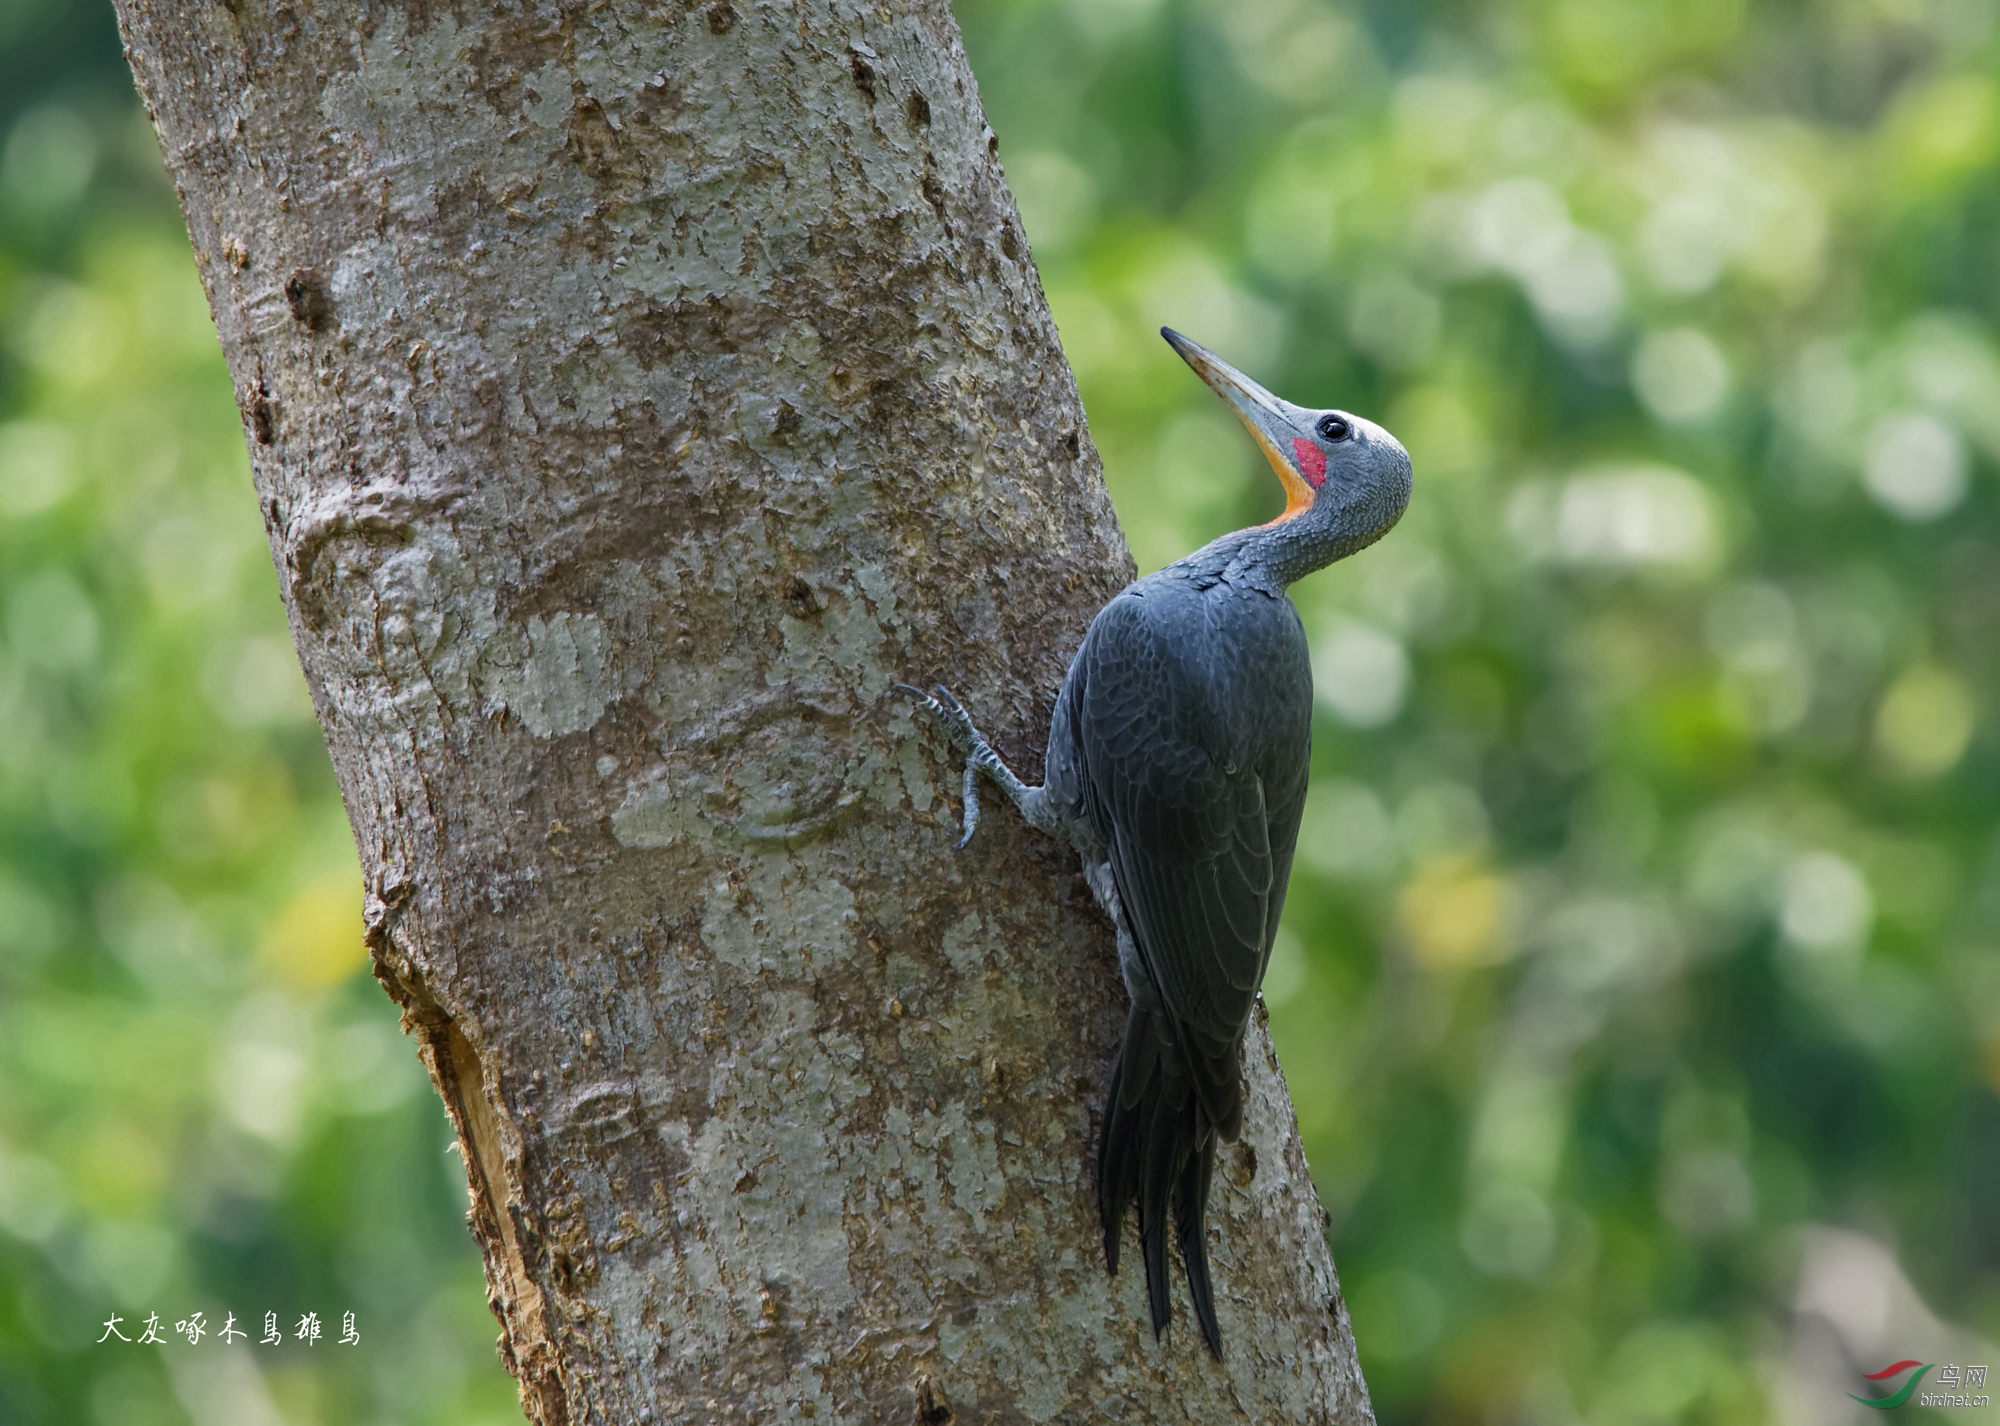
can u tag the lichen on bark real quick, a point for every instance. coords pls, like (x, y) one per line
(634, 392)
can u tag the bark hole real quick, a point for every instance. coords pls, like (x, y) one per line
(307, 296)
(864, 77)
(803, 599)
(932, 1408)
(263, 426)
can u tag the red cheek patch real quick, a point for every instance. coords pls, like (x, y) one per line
(1312, 461)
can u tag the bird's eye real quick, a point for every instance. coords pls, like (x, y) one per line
(1333, 428)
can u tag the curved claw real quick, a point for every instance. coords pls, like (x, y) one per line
(958, 721)
(942, 705)
(923, 700)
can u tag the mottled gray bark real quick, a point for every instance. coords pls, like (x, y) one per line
(635, 390)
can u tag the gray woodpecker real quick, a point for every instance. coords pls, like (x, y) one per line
(1177, 764)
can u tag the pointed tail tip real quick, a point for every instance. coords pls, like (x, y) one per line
(1204, 1309)
(1211, 1331)
(1158, 1284)
(1201, 1288)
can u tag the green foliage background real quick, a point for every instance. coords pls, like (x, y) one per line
(1644, 918)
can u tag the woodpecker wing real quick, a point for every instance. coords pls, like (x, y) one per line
(1195, 771)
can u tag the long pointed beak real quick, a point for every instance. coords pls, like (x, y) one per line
(1268, 419)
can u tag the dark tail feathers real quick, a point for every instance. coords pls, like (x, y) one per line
(1158, 1149)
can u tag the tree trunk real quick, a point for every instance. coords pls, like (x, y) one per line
(635, 390)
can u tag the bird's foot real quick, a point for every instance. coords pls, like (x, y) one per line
(950, 715)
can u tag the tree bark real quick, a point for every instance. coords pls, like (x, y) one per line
(635, 390)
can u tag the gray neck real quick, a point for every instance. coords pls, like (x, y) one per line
(1273, 556)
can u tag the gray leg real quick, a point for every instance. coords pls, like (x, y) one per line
(979, 757)
(1105, 889)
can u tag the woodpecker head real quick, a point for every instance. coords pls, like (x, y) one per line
(1345, 477)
